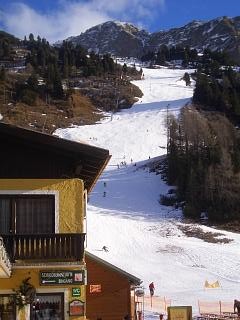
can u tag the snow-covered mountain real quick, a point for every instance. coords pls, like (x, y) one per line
(143, 237)
(118, 38)
(124, 39)
(218, 34)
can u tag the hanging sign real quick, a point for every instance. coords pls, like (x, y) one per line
(61, 277)
(76, 308)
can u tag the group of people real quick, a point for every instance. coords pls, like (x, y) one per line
(122, 164)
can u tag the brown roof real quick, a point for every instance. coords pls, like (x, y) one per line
(87, 162)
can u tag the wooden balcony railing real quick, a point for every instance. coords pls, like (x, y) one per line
(58, 247)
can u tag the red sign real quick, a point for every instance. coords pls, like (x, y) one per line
(76, 308)
(95, 288)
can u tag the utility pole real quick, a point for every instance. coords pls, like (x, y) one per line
(117, 101)
(168, 129)
(4, 95)
(43, 128)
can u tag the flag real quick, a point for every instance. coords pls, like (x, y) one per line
(215, 284)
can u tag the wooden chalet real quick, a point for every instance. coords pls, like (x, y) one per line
(110, 291)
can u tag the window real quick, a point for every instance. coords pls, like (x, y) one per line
(85, 211)
(7, 308)
(27, 214)
(48, 306)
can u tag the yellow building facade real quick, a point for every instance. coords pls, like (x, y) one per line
(69, 202)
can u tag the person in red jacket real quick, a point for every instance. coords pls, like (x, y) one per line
(151, 289)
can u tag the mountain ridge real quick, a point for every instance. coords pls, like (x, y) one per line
(125, 39)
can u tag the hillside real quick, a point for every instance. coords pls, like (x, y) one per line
(44, 87)
(123, 39)
(9, 37)
(86, 104)
(145, 238)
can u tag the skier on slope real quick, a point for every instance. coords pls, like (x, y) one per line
(151, 289)
(105, 248)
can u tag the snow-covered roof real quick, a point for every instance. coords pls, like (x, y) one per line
(124, 273)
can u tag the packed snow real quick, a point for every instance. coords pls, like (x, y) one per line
(124, 214)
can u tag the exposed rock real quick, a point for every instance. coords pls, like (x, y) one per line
(124, 39)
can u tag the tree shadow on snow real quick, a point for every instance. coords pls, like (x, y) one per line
(132, 191)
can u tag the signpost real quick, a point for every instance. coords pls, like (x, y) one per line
(61, 277)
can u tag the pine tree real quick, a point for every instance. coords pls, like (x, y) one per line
(57, 85)
(6, 48)
(33, 82)
(2, 74)
(235, 101)
(124, 69)
(41, 57)
(31, 37)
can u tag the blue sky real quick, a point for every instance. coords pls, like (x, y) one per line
(59, 19)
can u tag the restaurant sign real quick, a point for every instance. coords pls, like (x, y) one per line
(76, 308)
(62, 277)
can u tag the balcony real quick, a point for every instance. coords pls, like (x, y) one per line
(51, 247)
(5, 264)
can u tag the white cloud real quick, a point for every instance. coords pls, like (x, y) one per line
(130, 10)
(73, 17)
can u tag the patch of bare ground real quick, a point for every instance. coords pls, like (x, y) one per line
(170, 249)
(77, 110)
(233, 226)
(87, 101)
(207, 236)
(108, 95)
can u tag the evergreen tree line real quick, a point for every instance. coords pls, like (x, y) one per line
(7, 41)
(72, 58)
(204, 163)
(218, 89)
(57, 63)
(186, 55)
(5, 49)
(53, 64)
(68, 58)
(204, 146)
